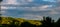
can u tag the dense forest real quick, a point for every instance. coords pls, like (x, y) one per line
(19, 22)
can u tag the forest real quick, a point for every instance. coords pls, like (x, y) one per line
(19, 22)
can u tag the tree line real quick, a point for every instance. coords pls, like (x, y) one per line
(46, 22)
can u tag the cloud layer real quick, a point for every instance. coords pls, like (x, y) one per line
(33, 9)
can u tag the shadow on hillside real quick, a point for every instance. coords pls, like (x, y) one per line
(46, 22)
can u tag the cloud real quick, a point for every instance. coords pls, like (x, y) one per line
(3, 7)
(10, 2)
(54, 12)
(31, 9)
(2, 11)
(35, 8)
(26, 2)
(58, 0)
(39, 8)
(32, 17)
(12, 7)
(50, 0)
(44, 7)
(29, 0)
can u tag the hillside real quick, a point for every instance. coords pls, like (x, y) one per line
(9, 20)
(19, 22)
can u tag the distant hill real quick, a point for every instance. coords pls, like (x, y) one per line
(9, 20)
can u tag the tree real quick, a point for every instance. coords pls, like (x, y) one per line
(14, 23)
(47, 22)
(58, 23)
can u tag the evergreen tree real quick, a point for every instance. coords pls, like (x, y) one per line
(47, 22)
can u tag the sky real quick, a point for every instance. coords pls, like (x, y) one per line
(31, 9)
